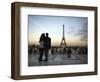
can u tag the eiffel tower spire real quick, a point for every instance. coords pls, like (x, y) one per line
(63, 31)
(63, 42)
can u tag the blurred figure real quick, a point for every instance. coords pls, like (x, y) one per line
(69, 53)
(47, 45)
(41, 47)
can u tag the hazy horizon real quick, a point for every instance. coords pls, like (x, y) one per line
(76, 29)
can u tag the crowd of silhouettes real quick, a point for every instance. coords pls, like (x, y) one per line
(45, 46)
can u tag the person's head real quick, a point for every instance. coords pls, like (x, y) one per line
(47, 34)
(42, 35)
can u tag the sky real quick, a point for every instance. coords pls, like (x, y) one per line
(76, 29)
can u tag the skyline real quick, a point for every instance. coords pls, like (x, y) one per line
(76, 29)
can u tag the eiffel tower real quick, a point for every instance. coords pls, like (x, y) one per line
(63, 42)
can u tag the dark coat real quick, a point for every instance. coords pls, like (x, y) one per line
(47, 42)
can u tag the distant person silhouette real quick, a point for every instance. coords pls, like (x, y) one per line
(69, 53)
(41, 47)
(47, 45)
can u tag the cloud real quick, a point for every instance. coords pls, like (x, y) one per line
(82, 33)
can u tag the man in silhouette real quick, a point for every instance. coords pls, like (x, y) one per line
(47, 45)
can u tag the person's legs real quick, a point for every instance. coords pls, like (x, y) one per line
(41, 54)
(46, 54)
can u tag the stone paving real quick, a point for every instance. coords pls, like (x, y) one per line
(57, 59)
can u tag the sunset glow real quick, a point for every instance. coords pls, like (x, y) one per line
(76, 29)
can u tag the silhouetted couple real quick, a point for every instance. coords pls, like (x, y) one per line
(45, 44)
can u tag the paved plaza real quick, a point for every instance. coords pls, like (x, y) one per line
(57, 59)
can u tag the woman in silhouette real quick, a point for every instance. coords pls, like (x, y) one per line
(41, 47)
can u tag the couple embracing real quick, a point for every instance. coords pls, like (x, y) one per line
(45, 44)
